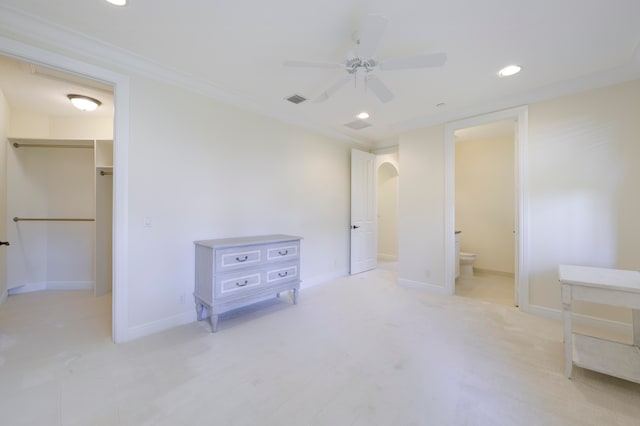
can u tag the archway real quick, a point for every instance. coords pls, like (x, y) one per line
(388, 178)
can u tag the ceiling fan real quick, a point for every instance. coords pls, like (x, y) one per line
(363, 62)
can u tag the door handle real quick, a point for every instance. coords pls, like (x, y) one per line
(4, 243)
(355, 227)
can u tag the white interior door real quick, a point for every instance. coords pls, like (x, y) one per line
(364, 226)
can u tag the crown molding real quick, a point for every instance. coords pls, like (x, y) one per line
(30, 29)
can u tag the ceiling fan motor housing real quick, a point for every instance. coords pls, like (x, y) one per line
(358, 65)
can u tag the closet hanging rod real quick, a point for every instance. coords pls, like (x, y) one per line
(47, 145)
(47, 219)
(103, 173)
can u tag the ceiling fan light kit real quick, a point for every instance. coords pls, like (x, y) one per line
(363, 62)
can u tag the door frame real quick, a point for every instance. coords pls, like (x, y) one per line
(521, 116)
(120, 83)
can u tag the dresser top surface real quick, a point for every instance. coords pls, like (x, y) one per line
(243, 241)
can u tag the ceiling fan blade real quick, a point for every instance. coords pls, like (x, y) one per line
(379, 89)
(370, 35)
(428, 60)
(333, 89)
(308, 64)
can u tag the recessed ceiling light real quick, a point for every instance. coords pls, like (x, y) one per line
(84, 103)
(509, 70)
(118, 2)
(363, 115)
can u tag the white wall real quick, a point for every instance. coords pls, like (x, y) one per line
(200, 169)
(421, 212)
(484, 185)
(29, 124)
(584, 152)
(4, 122)
(584, 155)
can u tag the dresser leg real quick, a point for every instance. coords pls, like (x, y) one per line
(199, 309)
(213, 319)
(295, 296)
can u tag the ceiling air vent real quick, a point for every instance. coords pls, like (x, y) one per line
(296, 99)
(358, 124)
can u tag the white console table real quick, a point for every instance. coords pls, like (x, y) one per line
(611, 287)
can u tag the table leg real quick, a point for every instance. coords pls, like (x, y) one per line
(568, 337)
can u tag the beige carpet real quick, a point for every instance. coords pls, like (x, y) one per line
(356, 351)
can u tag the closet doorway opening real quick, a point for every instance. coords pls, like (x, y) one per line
(59, 193)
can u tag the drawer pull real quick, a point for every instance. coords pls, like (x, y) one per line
(244, 259)
(283, 253)
(282, 275)
(242, 284)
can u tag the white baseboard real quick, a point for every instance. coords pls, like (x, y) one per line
(52, 285)
(383, 257)
(28, 288)
(433, 288)
(494, 272)
(70, 285)
(596, 323)
(163, 324)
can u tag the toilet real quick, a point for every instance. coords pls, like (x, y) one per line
(466, 263)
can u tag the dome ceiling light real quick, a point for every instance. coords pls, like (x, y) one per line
(84, 103)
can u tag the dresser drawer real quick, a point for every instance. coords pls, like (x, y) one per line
(236, 282)
(283, 251)
(283, 272)
(239, 257)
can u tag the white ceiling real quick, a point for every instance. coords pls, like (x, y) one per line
(239, 48)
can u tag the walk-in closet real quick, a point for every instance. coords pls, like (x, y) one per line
(60, 201)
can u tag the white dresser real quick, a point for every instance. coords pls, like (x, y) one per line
(231, 272)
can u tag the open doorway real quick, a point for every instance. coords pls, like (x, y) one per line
(485, 211)
(519, 117)
(59, 168)
(387, 211)
(121, 85)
